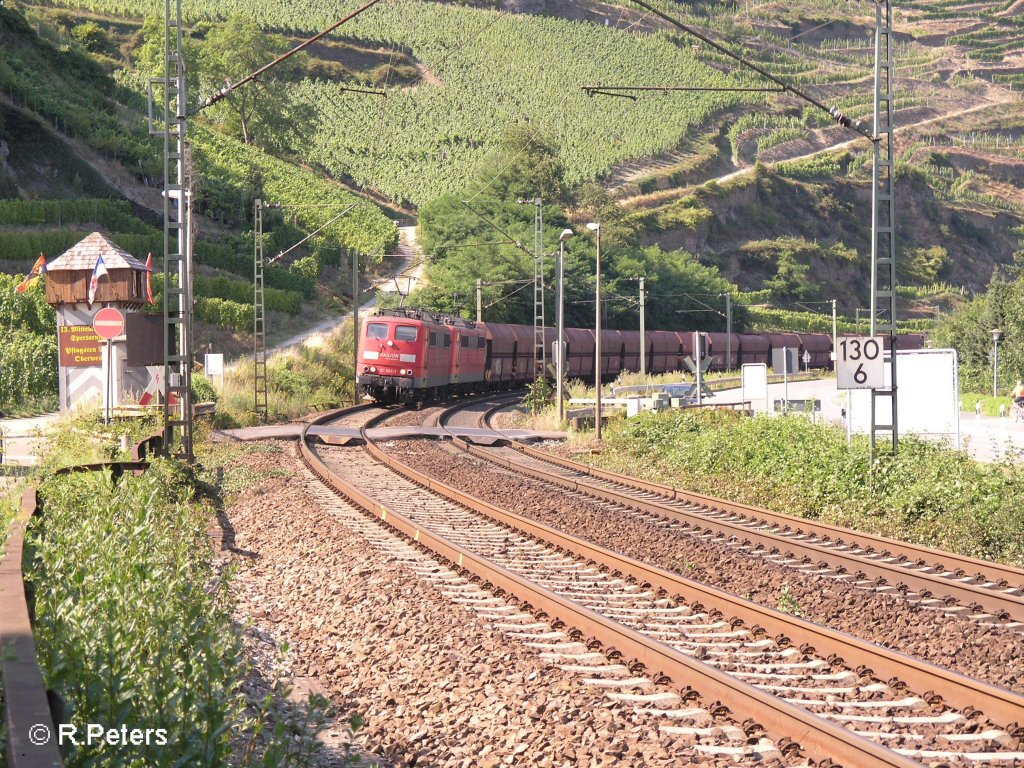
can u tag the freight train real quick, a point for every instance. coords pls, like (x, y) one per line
(410, 355)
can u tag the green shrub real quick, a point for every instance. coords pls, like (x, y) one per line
(91, 36)
(229, 314)
(202, 390)
(925, 494)
(130, 627)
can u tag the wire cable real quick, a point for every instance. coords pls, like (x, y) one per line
(231, 88)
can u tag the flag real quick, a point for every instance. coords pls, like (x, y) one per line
(38, 269)
(149, 279)
(98, 271)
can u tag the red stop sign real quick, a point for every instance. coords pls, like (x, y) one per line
(108, 323)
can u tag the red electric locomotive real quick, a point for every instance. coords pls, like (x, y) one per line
(410, 355)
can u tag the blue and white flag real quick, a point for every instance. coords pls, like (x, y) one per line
(98, 271)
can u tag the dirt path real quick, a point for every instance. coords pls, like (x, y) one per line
(403, 279)
(647, 200)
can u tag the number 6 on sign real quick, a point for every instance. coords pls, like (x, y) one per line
(860, 363)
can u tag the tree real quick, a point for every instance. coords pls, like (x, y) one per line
(523, 165)
(261, 111)
(91, 36)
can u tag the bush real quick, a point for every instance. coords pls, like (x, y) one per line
(229, 314)
(91, 36)
(202, 390)
(926, 494)
(130, 628)
(28, 354)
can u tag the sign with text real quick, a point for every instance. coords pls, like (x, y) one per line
(860, 363)
(79, 346)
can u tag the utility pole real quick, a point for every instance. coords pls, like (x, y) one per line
(355, 325)
(167, 120)
(728, 332)
(835, 333)
(560, 343)
(698, 356)
(596, 227)
(479, 301)
(643, 330)
(259, 352)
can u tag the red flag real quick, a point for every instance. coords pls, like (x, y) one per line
(149, 279)
(38, 269)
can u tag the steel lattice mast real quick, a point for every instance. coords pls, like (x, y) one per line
(259, 352)
(540, 357)
(177, 298)
(883, 221)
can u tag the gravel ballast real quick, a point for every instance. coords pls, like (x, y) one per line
(984, 652)
(438, 685)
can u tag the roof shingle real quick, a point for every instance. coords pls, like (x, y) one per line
(84, 255)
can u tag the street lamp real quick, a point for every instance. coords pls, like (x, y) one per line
(997, 336)
(597, 338)
(560, 344)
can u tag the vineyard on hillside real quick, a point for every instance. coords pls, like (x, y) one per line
(483, 70)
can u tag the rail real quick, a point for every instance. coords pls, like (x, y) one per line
(997, 589)
(823, 739)
(949, 561)
(27, 713)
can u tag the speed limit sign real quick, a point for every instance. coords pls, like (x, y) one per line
(860, 363)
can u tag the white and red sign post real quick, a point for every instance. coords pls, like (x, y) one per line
(108, 324)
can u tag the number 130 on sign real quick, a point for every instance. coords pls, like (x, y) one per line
(860, 363)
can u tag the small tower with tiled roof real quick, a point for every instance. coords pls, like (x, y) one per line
(84, 370)
(68, 275)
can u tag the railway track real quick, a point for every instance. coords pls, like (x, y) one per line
(936, 580)
(815, 691)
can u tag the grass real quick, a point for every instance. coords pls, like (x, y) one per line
(989, 405)
(297, 379)
(927, 494)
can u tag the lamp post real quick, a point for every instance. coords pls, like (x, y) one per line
(997, 336)
(560, 344)
(597, 337)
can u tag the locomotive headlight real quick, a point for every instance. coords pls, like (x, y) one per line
(366, 368)
(391, 343)
(402, 372)
(373, 369)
